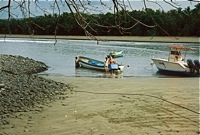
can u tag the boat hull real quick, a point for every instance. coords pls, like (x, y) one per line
(173, 68)
(89, 66)
(177, 73)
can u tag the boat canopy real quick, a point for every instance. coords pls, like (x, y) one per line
(178, 48)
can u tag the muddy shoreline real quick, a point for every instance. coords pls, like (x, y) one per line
(166, 39)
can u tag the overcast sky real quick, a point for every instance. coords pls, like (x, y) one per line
(95, 6)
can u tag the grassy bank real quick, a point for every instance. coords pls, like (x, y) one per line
(113, 38)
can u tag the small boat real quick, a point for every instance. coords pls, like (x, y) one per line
(90, 63)
(176, 65)
(117, 54)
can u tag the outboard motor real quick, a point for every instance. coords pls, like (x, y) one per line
(191, 65)
(197, 65)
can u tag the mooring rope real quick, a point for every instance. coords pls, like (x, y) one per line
(139, 94)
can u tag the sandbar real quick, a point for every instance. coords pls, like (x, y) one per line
(110, 106)
(171, 39)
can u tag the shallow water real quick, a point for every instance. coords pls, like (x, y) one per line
(60, 57)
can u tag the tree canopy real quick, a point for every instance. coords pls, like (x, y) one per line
(147, 22)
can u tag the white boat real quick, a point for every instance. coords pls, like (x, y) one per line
(176, 64)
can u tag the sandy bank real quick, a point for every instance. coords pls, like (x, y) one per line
(142, 106)
(115, 38)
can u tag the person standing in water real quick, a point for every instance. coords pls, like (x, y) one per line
(106, 64)
(77, 65)
(111, 61)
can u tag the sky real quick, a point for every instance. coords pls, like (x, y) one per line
(46, 6)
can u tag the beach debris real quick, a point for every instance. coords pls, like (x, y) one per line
(2, 85)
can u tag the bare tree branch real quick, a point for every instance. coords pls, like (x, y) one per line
(78, 8)
(154, 19)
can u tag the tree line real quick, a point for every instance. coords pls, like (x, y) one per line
(145, 22)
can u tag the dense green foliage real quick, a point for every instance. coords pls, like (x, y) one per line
(174, 23)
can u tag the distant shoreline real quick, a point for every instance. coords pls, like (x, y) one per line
(167, 39)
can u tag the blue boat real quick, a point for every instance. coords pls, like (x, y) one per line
(117, 54)
(90, 63)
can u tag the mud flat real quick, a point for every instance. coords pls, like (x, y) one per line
(114, 38)
(108, 106)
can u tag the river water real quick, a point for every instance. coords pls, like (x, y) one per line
(61, 56)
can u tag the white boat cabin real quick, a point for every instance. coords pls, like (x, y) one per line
(175, 53)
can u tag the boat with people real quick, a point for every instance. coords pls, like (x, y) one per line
(116, 54)
(176, 64)
(94, 64)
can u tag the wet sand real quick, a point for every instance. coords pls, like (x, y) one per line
(108, 106)
(114, 38)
